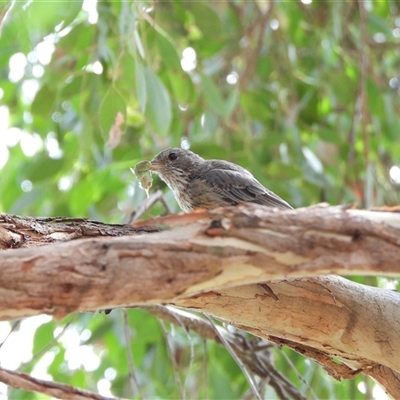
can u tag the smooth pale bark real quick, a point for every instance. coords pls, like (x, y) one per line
(204, 265)
(356, 324)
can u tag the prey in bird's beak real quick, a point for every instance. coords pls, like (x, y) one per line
(142, 171)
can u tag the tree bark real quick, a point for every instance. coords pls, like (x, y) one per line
(253, 267)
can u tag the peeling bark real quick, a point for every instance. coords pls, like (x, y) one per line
(221, 267)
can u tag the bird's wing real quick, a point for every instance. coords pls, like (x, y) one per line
(239, 186)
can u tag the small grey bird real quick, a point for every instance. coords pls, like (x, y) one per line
(209, 184)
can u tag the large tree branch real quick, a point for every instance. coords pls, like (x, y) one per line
(249, 245)
(198, 265)
(324, 318)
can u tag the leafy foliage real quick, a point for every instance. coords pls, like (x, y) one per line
(306, 96)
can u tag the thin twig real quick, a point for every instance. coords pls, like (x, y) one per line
(205, 369)
(363, 110)
(192, 357)
(133, 380)
(147, 204)
(14, 326)
(173, 360)
(4, 14)
(252, 59)
(238, 361)
(49, 345)
(360, 114)
(298, 374)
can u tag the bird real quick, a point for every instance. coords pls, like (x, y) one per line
(209, 184)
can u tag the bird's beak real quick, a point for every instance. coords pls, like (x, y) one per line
(155, 166)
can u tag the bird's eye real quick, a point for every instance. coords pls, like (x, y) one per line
(172, 157)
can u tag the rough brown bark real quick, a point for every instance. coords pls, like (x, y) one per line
(198, 265)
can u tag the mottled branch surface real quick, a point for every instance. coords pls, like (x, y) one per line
(256, 268)
(19, 232)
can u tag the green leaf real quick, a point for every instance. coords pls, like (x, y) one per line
(212, 95)
(182, 87)
(210, 124)
(43, 335)
(43, 103)
(158, 107)
(253, 101)
(45, 15)
(126, 78)
(168, 52)
(141, 85)
(208, 40)
(231, 102)
(73, 86)
(82, 196)
(330, 135)
(72, 46)
(206, 18)
(37, 19)
(78, 378)
(55, 367)
(375, 98)
(44, 168)
(111, 105)
(100, 330)
(215, 100)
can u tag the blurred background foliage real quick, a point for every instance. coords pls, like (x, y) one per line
(305, 94)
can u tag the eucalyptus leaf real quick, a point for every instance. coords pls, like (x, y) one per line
(158, 107)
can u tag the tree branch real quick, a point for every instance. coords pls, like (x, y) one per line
(216, 266)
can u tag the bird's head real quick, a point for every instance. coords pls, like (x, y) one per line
(174, 164)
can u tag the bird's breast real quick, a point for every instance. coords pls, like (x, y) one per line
(181, 194)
